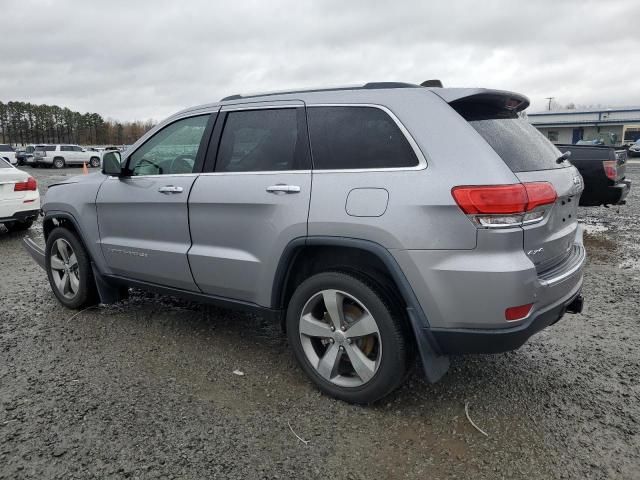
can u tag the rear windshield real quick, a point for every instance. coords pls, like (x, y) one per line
(519, 144)
(6, 148)
(4, 164)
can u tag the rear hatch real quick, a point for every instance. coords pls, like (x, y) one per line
(532, 158)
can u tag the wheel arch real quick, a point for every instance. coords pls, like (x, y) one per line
(309, 255)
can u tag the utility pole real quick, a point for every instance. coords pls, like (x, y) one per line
(549, 98)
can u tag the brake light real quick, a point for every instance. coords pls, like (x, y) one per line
(29, 185)
(611, 169)
(505, 205)
(512, 314)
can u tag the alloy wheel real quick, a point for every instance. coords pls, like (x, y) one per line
(64, 268)
(340, 338)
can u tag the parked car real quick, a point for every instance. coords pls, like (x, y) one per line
(403, 245)
(19, 198)
(58, 156)
(8, 153)
(634, 149)
(25, 157)
(596, 141)
(603, 170)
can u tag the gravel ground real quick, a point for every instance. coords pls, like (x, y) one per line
(145, 389)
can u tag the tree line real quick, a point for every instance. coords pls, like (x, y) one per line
(23, 123)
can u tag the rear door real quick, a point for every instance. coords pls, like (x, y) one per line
(143, 216)
(252, 200)
(532, 158)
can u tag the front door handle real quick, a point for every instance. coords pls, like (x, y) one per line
(282, 188)
(170, 189)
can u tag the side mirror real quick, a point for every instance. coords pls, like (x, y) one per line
(111, 164)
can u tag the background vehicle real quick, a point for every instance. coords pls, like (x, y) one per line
(404, 246)
(597, 141)
(58, 156)
(603, 170)
(634, 149)
(19, 198)
(8, 153)
(25, 157)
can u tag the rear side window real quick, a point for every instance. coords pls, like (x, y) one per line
(66, 148)
(263, 140)
(357, 138)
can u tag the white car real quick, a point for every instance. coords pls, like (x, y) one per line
(8, 153)
(59, 156)
(19, 198)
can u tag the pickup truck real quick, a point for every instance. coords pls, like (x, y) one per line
(603, 171)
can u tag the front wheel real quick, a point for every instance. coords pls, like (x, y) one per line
(69, 269)
(346, 337)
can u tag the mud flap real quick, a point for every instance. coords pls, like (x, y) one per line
(107, 292)
(435, 365)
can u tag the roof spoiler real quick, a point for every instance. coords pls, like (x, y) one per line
(495, 99)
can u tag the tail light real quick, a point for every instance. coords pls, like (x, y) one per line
(499, 206)
(611, 169)
(28, 186)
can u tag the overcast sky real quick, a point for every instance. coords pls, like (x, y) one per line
(147, 59)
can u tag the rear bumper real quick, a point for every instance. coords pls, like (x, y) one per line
(21, 216)
(610, 195)
(35, 250)
(495, 341)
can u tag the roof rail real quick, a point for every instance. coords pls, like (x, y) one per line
(366, 86)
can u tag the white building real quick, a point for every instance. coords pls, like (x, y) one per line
(614, 126)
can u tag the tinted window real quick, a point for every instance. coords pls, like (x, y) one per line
(172, 150)
(76, 148)
(520, 145)
(66, 148)
(357, 137)
(262, 140)
(6, 148)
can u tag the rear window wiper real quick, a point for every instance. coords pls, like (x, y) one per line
(563, 157)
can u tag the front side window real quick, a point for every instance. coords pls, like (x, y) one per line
(552, 135)
(356, 138)
(172, 150)
(76, 148)
(262, 140)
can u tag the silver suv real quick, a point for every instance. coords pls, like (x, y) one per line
(379, 223)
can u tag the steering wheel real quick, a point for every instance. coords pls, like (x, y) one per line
(182, 164)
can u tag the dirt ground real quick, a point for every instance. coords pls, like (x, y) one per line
(146, 389)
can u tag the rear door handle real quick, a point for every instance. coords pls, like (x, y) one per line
(281, 188)
(170, 189)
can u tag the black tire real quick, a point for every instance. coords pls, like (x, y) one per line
(86, 294)
(58, 162)
(392, 367)
(19, 226)
(94, 162)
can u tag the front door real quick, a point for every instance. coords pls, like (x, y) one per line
(245, 211)
(143, 216)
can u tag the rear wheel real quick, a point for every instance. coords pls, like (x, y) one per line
(19, 225)
(58, 162)
(94, 162)
(69, 269)
(346, 337)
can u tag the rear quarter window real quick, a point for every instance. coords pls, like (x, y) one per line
(357, 138)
